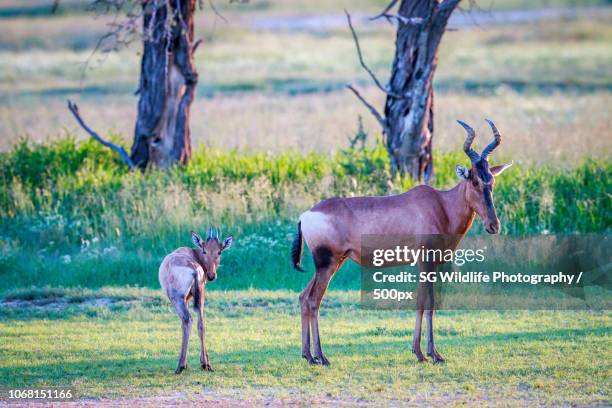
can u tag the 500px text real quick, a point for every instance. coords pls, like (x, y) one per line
(391, 294)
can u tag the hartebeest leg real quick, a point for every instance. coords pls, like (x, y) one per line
(421, 302)
(180, 305)
(305, 311)
(431, 348)
(314, 302)
(310, 300)
(204, 361)
(325, 271)
(416, 337)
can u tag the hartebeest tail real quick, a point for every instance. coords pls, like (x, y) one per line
(333, 230)
(297, 248)
(197, 292)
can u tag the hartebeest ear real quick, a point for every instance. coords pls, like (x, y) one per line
(227, 242)
(497, 170)
(196, 239)
(462, 172)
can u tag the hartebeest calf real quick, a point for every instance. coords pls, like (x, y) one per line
(333, 230)
(183, 275)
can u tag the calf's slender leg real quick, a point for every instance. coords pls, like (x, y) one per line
(204, 360)
(180, 306)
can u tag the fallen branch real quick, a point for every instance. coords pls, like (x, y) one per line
(363, 64)
(120, 150)
(372, 109)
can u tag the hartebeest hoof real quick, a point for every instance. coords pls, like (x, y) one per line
(322, 360)
(206, 367)
(180, 369)
(436, 358)
(419, 355)
(308, 357)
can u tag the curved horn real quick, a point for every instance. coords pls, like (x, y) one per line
(467, 146)
(496, 141)
(209, 233)
(216, 233)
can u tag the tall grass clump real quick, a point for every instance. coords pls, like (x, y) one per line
(71, 213)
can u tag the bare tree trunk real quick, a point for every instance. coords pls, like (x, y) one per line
(409, 119)
(168, 80)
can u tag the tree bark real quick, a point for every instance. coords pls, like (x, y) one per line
(409, 104)
(168, 79)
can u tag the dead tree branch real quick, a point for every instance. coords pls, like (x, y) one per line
(385, 12)
(363, 64)
(120, 150)
(196, 45)
(404, 20)
(399, 18)
(371, 108)
(214, 9)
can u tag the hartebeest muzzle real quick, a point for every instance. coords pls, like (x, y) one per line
(493, 227)
(211, 276)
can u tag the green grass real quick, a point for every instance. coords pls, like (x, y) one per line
(71, 215)
(128, 347)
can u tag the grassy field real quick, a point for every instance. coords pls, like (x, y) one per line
(72, 215)
(81, 239)
(123, 343)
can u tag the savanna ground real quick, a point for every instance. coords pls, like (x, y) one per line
(81, 239)
(120, 343)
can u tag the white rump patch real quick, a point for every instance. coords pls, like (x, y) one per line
(180, 278)
(316, 227)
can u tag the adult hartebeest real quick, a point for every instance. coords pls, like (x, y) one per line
(183, 275)
(333, 230)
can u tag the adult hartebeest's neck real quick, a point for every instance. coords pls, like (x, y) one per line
(460, 214)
